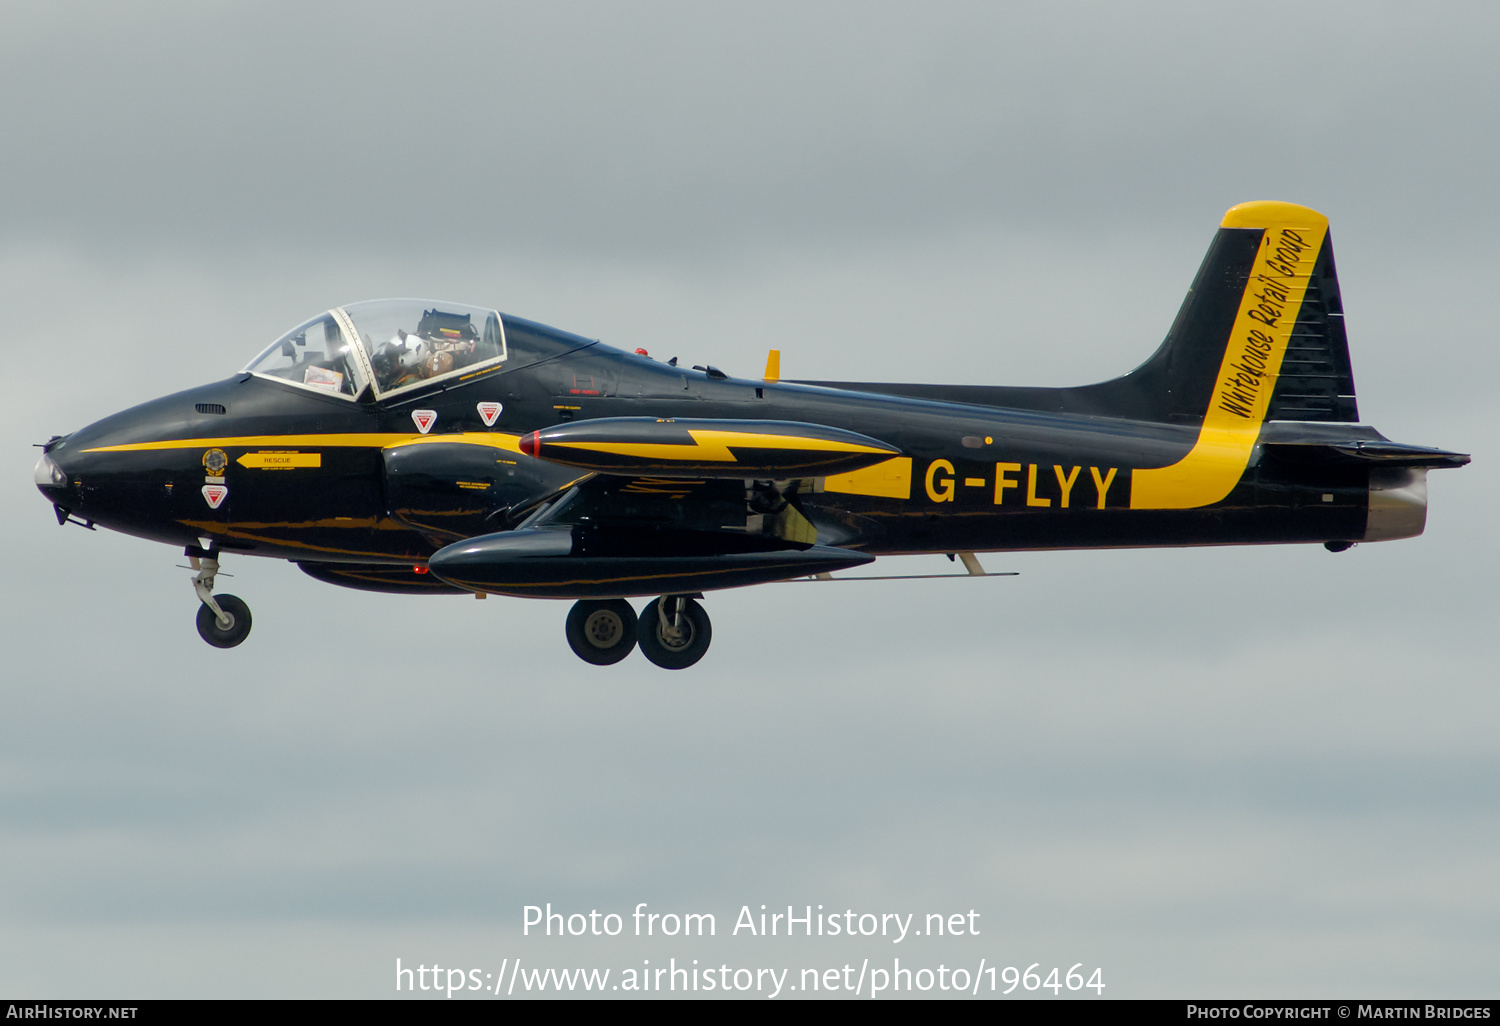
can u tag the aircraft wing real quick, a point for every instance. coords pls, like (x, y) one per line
(671, 507)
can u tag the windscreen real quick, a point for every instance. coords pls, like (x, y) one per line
(315, 355)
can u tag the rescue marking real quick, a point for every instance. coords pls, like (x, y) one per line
(214, 494)
(489, 412)
(424, 419)
(280, 460)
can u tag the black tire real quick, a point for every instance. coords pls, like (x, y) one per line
(239, 622)
(674, 653)
(601, 631)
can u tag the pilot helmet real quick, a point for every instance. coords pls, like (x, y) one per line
(401, 355)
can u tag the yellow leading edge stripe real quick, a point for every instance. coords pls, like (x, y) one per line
(372, 440)
(1252, 360)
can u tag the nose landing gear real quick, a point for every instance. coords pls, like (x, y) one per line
(672, 631)
(223, 622)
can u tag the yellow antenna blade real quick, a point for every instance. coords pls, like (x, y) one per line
(773, 365)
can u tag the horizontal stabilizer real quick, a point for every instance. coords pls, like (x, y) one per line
(1368, 453)
(769, 449)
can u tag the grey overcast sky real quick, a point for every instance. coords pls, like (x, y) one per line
(1241, 772)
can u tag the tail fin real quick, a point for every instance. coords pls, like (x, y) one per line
(1268, 270)
(1260, 334)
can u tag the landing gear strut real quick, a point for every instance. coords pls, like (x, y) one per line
(673, 632)
(601, 632)
(223, 622)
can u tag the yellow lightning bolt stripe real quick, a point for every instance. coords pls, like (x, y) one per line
(712, 446)
(367, 440)
(1208, 473)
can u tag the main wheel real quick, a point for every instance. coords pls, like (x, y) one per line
(220, 635)
(601, 632)
(678, 643)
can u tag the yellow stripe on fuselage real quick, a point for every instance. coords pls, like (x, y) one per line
(369, 440)
(888, 480)
(713, 446)
(1252, 361)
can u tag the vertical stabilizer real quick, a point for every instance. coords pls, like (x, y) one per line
(1239, 368)
(1249, 272)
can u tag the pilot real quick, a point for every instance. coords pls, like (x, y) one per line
(399, 361)
(407, 358)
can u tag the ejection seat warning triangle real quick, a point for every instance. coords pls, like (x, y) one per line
(424, 419)
(215, 494)
(488, 412)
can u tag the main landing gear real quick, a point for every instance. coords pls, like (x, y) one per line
(601, 632)
(223, 622)
(672, 631)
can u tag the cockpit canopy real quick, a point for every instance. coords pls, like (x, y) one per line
(389, 345)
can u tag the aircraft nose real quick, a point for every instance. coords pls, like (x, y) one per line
(51, 479)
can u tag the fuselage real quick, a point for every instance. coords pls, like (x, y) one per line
(310, 476)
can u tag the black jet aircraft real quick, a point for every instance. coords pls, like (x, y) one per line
(438, 448)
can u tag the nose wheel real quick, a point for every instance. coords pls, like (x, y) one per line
(224, 621)
(229, 626)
